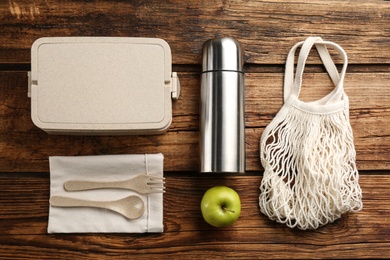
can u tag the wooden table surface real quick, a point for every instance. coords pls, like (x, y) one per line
(266, 30)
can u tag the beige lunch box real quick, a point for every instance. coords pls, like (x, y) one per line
(102, 85)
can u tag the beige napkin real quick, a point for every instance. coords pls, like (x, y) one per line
(104, 168)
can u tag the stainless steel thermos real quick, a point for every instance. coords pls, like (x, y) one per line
(222, 118)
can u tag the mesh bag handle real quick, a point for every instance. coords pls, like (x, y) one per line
(292, 85)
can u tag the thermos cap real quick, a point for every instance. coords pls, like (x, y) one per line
(222, 54)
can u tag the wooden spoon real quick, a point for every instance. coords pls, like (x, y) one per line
(131, 207)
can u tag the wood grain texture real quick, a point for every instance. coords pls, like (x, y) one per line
(24, 147)
(24, 199)
(265, 28)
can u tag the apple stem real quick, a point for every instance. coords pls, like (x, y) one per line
(226, 209)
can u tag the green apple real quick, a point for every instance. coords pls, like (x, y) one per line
(220, 206)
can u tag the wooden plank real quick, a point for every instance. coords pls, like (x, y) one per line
(267, 29)
(24, 211)
(107, 246)
(24, 147)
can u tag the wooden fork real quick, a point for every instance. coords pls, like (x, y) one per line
(144, 184)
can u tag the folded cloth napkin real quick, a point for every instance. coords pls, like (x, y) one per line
(104, 168)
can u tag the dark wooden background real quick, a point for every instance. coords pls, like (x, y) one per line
(266, 30)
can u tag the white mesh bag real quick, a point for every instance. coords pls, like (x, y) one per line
(307, 151)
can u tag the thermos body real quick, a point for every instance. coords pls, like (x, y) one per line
(222, 115)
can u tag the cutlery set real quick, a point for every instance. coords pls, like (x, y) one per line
(131, 207)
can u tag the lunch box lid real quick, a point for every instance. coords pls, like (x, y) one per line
(102, 85)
